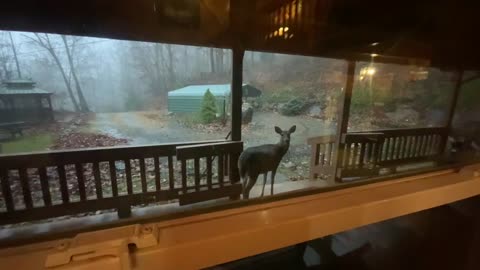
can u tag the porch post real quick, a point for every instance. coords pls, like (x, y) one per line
(342, 119)
(50, 107)
(237, 71)
(451, 112)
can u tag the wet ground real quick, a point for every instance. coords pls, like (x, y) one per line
(154, 127)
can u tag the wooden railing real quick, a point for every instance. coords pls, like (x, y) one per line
(362, 154)
(208, 185)
(359, 154)
(322, 155)
(46, 185)
(411, 145)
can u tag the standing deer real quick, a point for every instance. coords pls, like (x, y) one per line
(263, 159)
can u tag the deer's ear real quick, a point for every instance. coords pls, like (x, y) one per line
(292, 129)
(278, 130)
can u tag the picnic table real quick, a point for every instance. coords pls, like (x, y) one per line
(12, 128)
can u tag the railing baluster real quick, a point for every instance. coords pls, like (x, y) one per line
(220, 169)
(113, 177)
(47, 199)
(404, 147)
(415, 146)
(156, 165)
(387, 149)
(429, 145)
(348, 149)
(425, 145)
(362, 155)
(369, 152)
(6, 190)
(184, 175)
(81, 181)
(27, 195)
(171, 176)
(226, 161)
(128, 176)
(398, 151)
(196, 166)
(98, 180)
(420, 146)
(209, 171)
(143, 176)
(328, 147)
(63, 183)
(318, 154)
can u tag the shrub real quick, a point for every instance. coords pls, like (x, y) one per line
(294, 106)
(364, 98)
(208, 112)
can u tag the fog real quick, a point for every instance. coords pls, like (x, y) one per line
(112, 75)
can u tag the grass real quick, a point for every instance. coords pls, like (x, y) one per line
(189, 120)
(31, 143)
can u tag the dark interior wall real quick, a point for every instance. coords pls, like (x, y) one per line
(442, 238)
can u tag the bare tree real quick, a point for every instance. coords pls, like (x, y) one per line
(220, 65)
(43, 41)
(5, 58)
(15, 55)
(81, 97)
(212, 61)
(170, 68)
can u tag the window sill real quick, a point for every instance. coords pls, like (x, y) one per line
(223, 236)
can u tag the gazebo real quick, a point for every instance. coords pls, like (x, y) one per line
(22, 101)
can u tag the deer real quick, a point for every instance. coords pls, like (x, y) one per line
(261, 160)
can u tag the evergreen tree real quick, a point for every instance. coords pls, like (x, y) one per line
(209, 108)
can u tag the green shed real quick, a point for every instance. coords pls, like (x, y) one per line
(189, 98)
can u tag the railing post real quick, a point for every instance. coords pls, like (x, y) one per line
(237, 70)
(124, 209)
(342, 119)
(451, 112)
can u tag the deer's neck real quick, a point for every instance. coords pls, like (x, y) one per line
(283, 147)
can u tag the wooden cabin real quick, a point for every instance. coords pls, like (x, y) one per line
(123, 235)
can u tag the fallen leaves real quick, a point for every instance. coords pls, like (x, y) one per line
(86, 140)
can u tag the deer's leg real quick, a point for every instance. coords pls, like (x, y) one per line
(273, 181)
(264, 182)
(250, 182)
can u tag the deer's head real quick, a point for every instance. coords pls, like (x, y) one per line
(285, 134)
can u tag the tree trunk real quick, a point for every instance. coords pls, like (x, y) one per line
(212, 61)
(81, 97)
(220, 60)
(65, 79)
(157, 52)
(15, 55)
(171, 69)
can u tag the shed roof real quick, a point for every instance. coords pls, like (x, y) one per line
(31, 91)
(21, 87)
(200, 90)
(215, 89)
